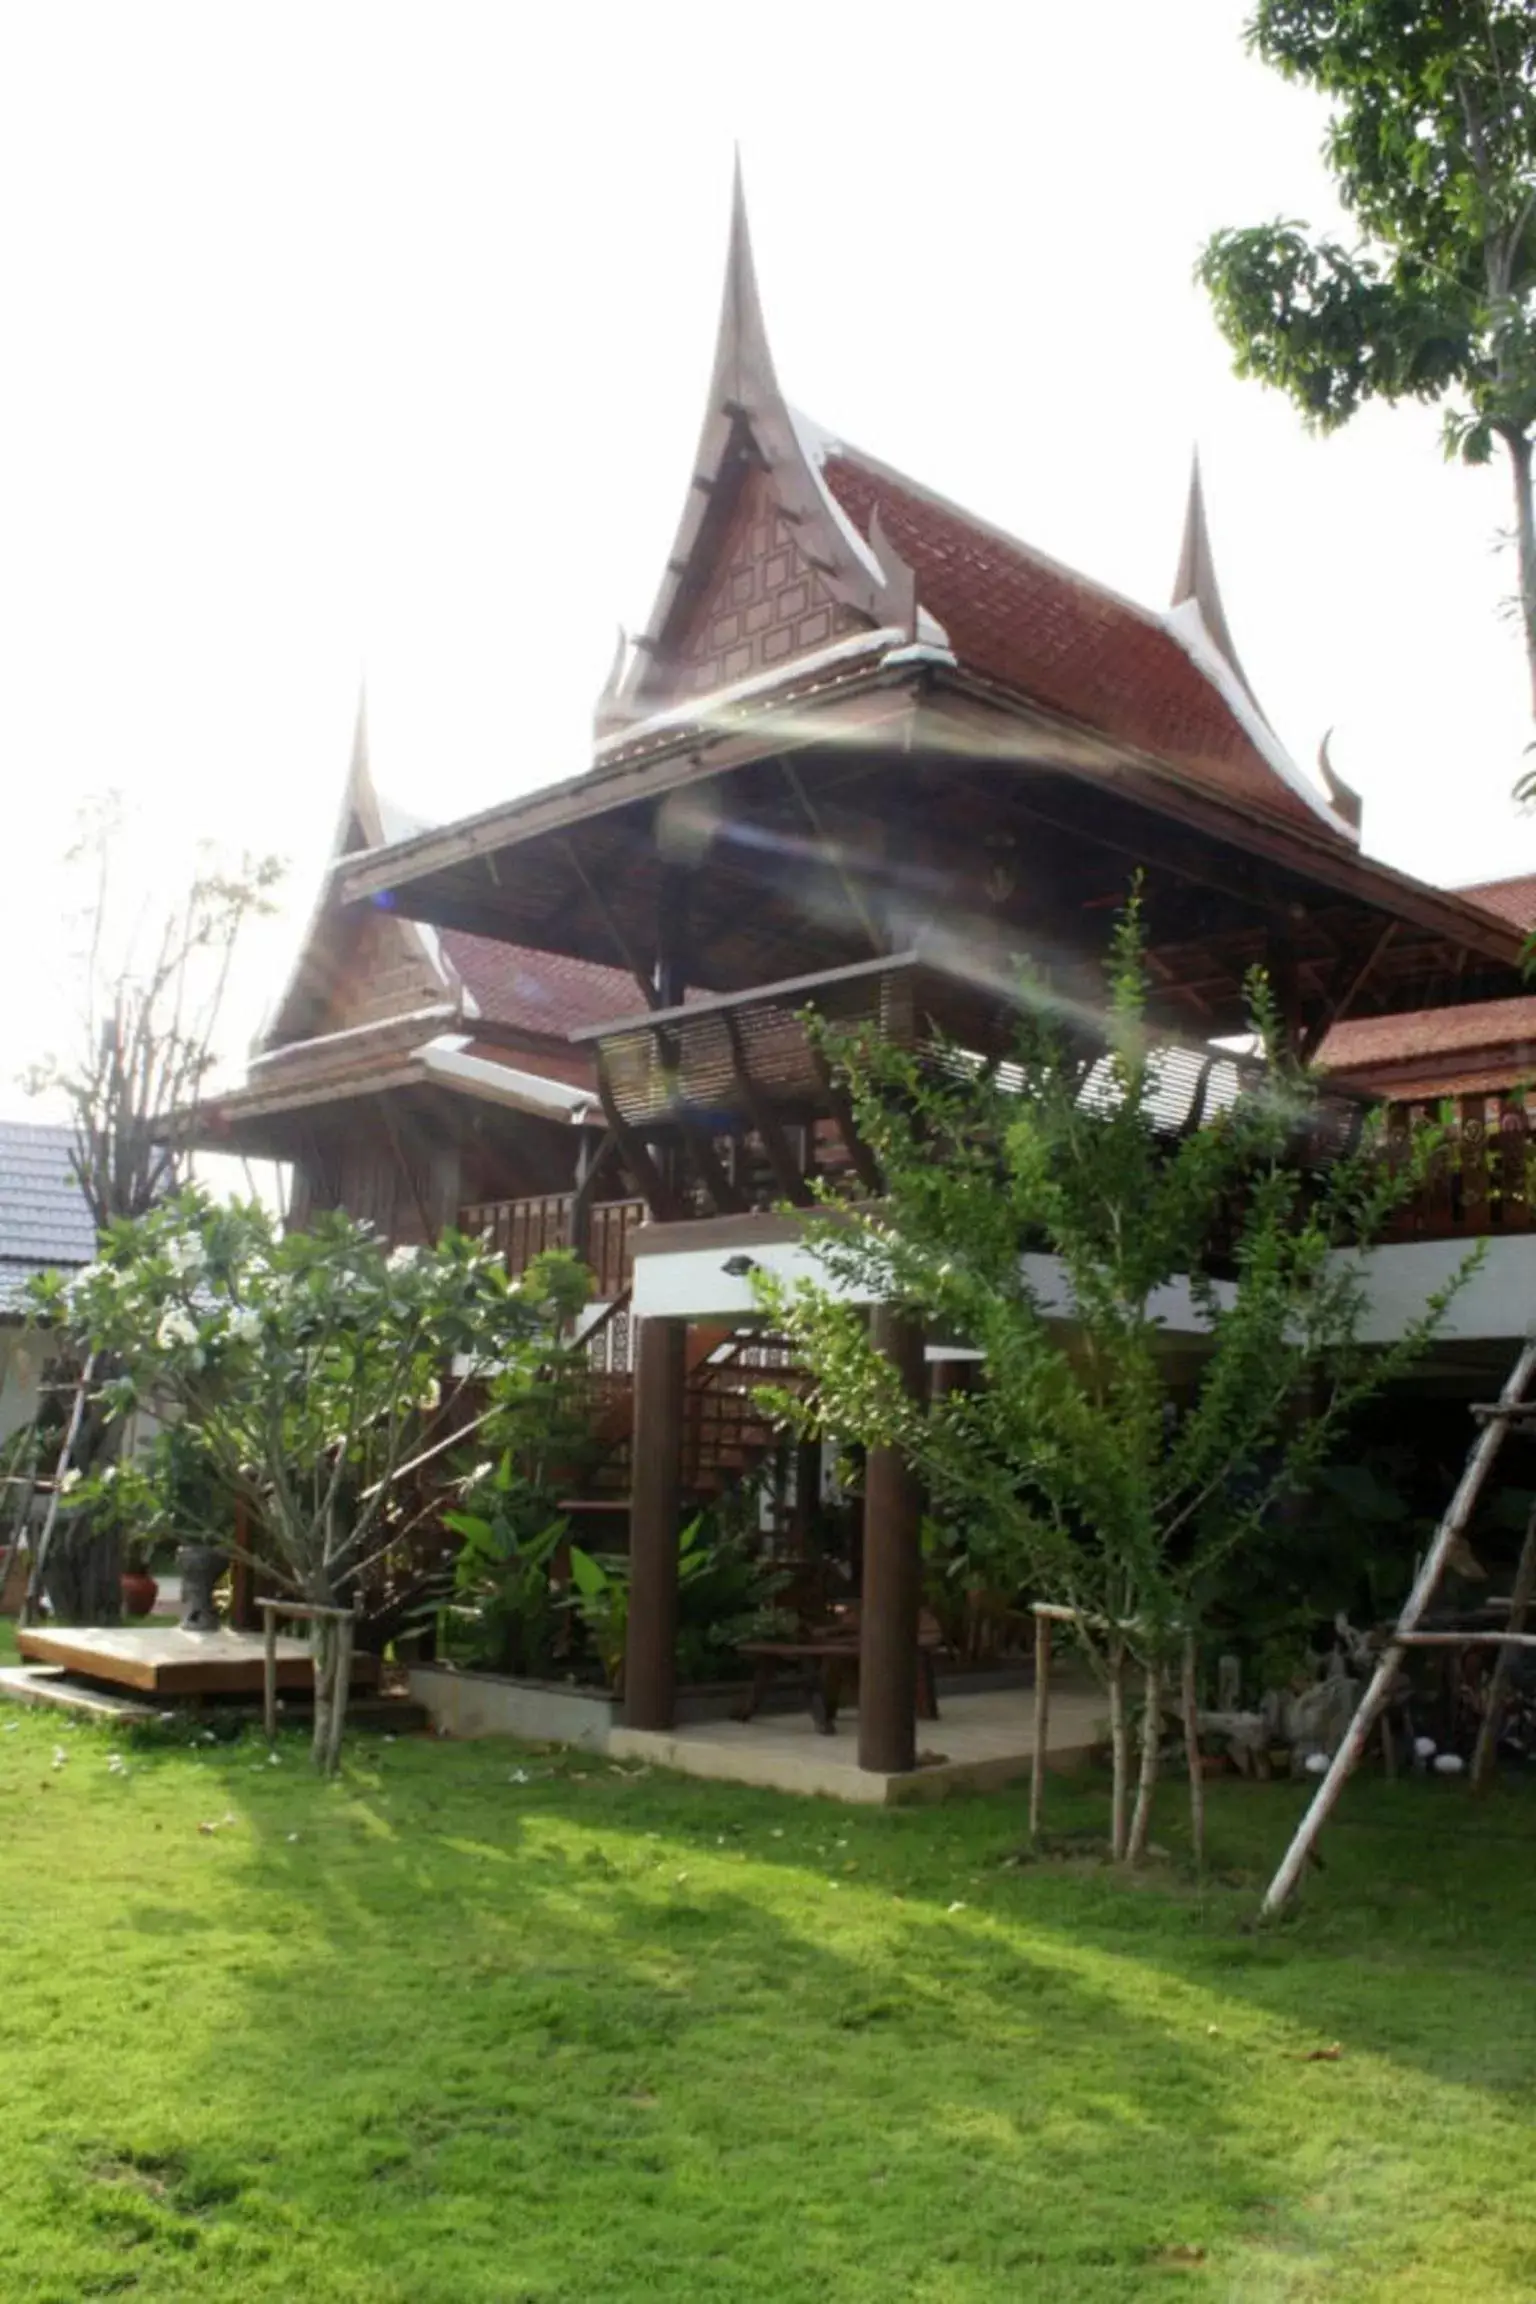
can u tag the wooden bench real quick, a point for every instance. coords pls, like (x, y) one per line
(827, 1658)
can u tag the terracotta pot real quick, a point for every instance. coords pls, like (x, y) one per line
(140, 1592)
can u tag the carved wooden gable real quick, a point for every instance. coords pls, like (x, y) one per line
(361, 968)
(761, 603)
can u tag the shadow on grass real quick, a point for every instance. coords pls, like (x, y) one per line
(482, 2023)
(586, 2037)
(593, 2035)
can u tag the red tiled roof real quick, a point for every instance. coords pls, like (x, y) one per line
(1503, 1030)
(538, 991)
(1041, 630)
(1512, 899)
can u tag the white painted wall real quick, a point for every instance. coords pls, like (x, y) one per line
(1497, 1302)
(692, 1283)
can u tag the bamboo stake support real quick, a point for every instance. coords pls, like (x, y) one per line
(1486, 1752)
(1117, 1735)
(269, 1673)
(1190, 1705)
(307, 1611)
(1042, 1722)
(1373, 1703)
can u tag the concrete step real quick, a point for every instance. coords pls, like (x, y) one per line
(50, 1684)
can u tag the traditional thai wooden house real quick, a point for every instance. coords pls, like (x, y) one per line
(867, 750)
(415, 1076)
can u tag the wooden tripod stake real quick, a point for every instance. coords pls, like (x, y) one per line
(1373, 1703)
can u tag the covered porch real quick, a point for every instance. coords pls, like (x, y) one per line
(983, 1739)
(874, 1643)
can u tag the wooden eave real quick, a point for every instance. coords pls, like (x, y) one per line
(509, 871)
(854, 706)
(1278, 840)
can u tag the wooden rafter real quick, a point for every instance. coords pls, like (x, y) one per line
(600, 905)
(786, 1169)
(658, 1195)
(1338, 1009)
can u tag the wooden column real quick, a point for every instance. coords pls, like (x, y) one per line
(650, 1654)
(892, 1588)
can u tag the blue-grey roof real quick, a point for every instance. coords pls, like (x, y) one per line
(44, 1221)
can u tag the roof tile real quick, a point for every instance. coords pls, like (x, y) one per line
(544, 992)
(44, 1220)
(1043, 631)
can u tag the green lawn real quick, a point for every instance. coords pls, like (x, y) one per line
(477, 2025)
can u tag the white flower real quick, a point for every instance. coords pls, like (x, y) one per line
(71, 1479)
(245, 1324)
(185, 1254)
(176, 1327)
(401, 1259)
(432, 1397)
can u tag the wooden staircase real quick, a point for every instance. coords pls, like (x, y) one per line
(726, 1436)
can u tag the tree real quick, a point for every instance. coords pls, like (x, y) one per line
(152, 986)
(314, 1370)
(1048, 1216)
(1432, 144)
(152, 980)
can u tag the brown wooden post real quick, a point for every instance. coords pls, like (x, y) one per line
(890, 1601)
(650, 1653)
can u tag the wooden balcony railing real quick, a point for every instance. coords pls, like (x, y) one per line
(1480, 1181)
(1480, 1184)
(523, 1229)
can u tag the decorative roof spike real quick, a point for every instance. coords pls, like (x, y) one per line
(749, 429)
(360, 800)
(744, 375)
(1343, 798)
(899, 602)
(610, 712)
(1196, 579)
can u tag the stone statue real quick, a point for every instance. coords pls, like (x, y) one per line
(199, 1566)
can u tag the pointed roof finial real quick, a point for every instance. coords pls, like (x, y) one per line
(608, 713)
(1344, 799)
(748, 428)
(1196, 578)
(361, 823)
(358, 773)
(744, 374)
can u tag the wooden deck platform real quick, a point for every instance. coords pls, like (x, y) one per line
(162, 1660)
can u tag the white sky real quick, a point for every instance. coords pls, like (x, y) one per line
(369, 336)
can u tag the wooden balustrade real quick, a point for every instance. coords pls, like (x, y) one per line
(1479, 1181)
(523, 1229)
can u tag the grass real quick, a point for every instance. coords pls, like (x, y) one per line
(483, 2026)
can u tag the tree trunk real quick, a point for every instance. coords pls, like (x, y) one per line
(82, 1577)
(1119, 1740)
(1151, 1746)
(1189, 1694)
(341, 1688)
(327, 1733)
(1519, 446)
